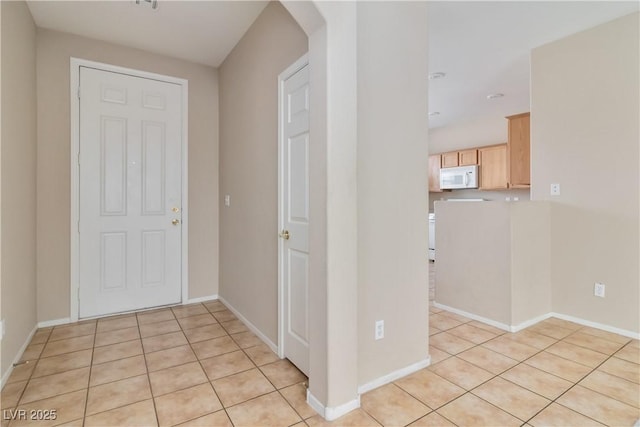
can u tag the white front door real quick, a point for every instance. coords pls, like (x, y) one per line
(130, 192)
(294, 213)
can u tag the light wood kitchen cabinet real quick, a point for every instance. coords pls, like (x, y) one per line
(468, 157)
(519, 151)
(434, 173)
(449, 160)
(493, 167)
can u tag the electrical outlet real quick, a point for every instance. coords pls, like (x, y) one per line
(379, 334)
(555, 189)
(227, 200)
(598, 290)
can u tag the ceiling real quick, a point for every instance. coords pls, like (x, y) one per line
(199, 31)
(484, 47)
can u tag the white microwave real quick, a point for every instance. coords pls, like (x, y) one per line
(459, 177)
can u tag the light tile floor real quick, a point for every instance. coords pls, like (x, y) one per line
(198, 365)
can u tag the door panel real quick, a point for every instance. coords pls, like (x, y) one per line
(113, 179)
(153, 168)
(294, 218)
(130, 184)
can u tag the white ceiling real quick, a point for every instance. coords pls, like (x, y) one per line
(198, 31)
(484, 47)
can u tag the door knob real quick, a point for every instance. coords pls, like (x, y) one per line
(175, 209)
(284, 234)
(175, 221)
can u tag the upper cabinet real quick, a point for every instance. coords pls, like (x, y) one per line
(493, 167)
(460, 158)
(519, 151)
(468, 157)
(434, 174)
(450, 160)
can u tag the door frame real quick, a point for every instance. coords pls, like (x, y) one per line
(282, 77)
(74, 88)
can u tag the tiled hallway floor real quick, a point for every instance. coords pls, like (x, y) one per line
(198, 365)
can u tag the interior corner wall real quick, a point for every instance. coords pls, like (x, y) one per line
(18, 177)
(249, 164)
(585, 94)
(54, 50)
(392, 201)
(530, 261)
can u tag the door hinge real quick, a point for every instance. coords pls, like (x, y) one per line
(78, 92)
(78, 226)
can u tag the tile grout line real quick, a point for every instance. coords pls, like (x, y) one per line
(504, 334)
(202, 367)
(32, 371)
(146, 366)
(86, 399)
(523, 361)
(573, 386)
(263, 374)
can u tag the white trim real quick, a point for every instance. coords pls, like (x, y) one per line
(75, 64)
(332, 413)
(290, 71)
(250, 325)
(613, 329)
(55, 322)
(474, 317)
(530, 322)
(402, 372)
(7, 374)
(315, 403)
(201, 299)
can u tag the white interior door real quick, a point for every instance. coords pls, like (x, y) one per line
(130, 192)
(294, 214)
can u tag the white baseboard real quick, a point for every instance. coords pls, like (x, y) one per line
(597, 325)
(250, 325)
(6, 375)
(202, 299)
(474, 317)
(54, 322)
(530, 322)
(386, 379)
(335, 412)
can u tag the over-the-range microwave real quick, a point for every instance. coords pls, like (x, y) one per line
(459, 177)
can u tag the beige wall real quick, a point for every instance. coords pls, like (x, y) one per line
(585, 133)
(530, 261)
(249, 164)
(18, 168)
(493, 259)
(392, 167)
(473, 258)
(54, 51)
(475, 133)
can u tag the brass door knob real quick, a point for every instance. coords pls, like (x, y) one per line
(284, 234)
(175, 221)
